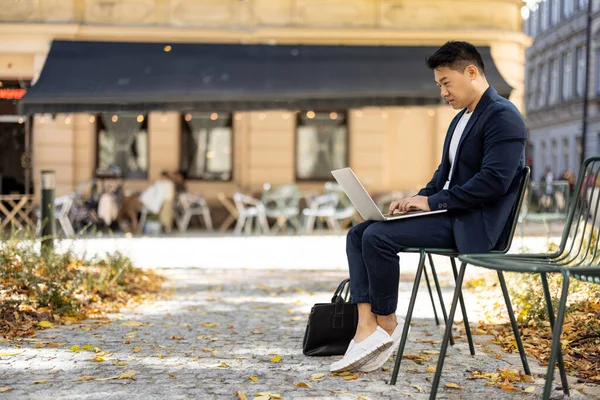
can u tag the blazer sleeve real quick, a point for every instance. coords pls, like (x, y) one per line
(431, 188)
(503, 145)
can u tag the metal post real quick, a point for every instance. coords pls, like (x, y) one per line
(48, 231)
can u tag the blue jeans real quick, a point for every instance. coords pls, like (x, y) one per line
(372, 248)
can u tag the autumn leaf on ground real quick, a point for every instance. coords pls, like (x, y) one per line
(302, 384)
(89, 347)
(507, 386)
(530, 389)
(210, 325)
(241, 395)
(97, 359)
(352, 377)
(128, 375)
(276, 358)
(135, 323)
(317, 377)
(343, 373)
(136, 349)
(9, 353)
(453, 386)
(45, 324)
(257, 333)
(430, 370)
(253, 378)
(40, 381)
(120, 363)
(83, 378)
(176, 338)
(172, 376)
(223, 365)
(75, 348)
(419, 389)
(363, 398)
(5, 389)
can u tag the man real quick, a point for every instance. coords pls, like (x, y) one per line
(477, 182)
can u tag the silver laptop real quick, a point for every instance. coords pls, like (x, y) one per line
(364, 203)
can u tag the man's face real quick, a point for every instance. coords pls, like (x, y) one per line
(456, 87)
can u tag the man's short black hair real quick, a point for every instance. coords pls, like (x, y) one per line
(457, 56)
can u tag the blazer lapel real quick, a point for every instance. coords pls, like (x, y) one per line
(483, 102)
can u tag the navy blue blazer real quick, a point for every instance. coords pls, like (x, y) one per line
(486, 177)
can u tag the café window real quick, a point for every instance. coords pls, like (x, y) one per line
(122, 146)
(206, 144)
(321, 144)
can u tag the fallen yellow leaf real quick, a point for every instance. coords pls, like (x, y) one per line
(363, 398)
(128, 375)
(135, 323)
(75, 348)
(97, 359)
(9, 353)
(40, 381)
(352, 377)
(530, 389)
(453, 386)
(276, 358)
(5, 389)
(419, 389)
(317, 377)
(120, 363)
(223, 365)
(172, 376)
(302, 384)
(89, 347)
(430, 370)
(45, 324)
(136, 349)
(241, 395)
(107, 379)
(208, 325)
(253, 378)
(159, 355)
(83, 378)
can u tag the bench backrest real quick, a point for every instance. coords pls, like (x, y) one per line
(513, 218)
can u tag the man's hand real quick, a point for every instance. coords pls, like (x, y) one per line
(410, 204)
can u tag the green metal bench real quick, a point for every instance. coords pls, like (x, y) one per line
(578, 255)
(453, 253)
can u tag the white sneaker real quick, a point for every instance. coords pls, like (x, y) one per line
(361, 353)
(382, 358)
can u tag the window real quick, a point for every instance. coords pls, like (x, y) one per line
(321, 144)
(580, 70)
(543, 85)
(567, 81)
(554, 155)
(122, 144)
(533, 22)
(532, 88)
(554, 78)
(555, 15)
(544, 156)
(206, 142)
(567, 8)
(583, 4)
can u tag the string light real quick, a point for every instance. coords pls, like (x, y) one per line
(92, 119)
(167, 48)
(67, 120)
(20, 120)
(188, 117)
(310, 114)
(115, 118)
(214, 116)
(140, 118)
(333, 115)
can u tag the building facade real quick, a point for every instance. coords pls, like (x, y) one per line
(390, 148)
(555, 85)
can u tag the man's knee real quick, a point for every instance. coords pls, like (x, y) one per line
(353, 237)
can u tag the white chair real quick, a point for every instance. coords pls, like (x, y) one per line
(323, 206)
(190, 205)
(249, 208)
(62, 213)
(344, 210)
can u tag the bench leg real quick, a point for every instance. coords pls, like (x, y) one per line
(447, 332)
(464, 312)
(439, 292)
(437, 320)
(513, 323)
(556, 331)
(409, 312)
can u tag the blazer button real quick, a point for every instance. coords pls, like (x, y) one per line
(445, 205)
(440, 205)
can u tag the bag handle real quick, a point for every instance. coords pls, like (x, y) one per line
(338, 292)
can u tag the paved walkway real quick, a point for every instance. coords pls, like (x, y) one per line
(222, 327)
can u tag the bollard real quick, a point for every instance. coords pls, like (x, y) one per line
(48, 231)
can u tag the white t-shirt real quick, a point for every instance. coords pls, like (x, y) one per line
(456, 135)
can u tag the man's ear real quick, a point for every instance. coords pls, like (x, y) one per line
(472, 72)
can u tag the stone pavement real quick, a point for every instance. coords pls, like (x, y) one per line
(220, 327)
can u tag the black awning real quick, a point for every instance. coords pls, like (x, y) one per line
(81, 76)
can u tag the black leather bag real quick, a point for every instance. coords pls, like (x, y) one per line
(331, 326)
